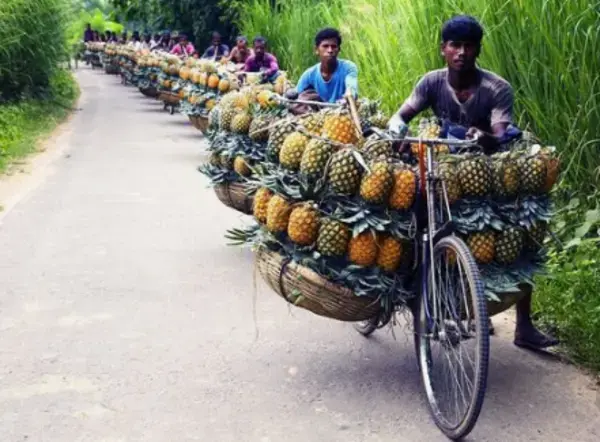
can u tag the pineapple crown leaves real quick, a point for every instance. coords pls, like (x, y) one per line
(532, 209)
(248, 235)
(476, 215)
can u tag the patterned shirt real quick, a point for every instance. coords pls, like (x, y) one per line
(491, 102)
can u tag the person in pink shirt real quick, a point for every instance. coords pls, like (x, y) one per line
(183, 47)
(262, 61)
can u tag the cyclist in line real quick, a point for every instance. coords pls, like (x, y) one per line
(471, 103)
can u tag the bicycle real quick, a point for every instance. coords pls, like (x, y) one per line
(450, 310)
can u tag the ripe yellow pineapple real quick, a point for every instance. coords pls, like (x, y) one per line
(241, 166)
(226, 117)
(303, 225)
(278, 214)
(533, 170)
(333, 238)
(240, 123)
(376, 185)
(390, 253)
(483, 246)
(277, 136)
(505, 179)
(552, 169)
(340, 128)
(404, 189)
(261, 203)
(292, 149)
(362, 249)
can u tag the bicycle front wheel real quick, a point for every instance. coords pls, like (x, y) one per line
(452, 337)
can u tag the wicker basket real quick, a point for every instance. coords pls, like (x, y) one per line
(169, 98)
(149, 91)
(234, 195)
(307, 289)
(199, 122)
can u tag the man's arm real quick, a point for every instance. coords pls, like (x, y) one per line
(416, 103)
(351, 80)
(273, 66)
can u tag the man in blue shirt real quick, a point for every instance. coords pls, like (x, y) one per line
(332, 78)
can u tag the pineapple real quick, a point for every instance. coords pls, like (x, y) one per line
(226, 117)
(375, 148)
(404, 189)
(448, 174)
(362, 249)
(259, 129)
(344, 172)
(509, 244)
(505, 177)
(340, 128)
(315, 158)
(278, 214)
(292, 149)
(475, 176)
(303, 226)
(333, 238)
(429, 129)
(376, 185)
(226, 161)
(215, 159)
(261, 203)
(483, 246)
(379, 120)
(313, 123)
(277, 136)
(533, 171)
(240, 123)
(536, 235)
(390, 253)
(241, 166)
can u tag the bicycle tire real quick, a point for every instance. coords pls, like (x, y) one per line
(467, 421)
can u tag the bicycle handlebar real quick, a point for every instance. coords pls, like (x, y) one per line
(428, 141)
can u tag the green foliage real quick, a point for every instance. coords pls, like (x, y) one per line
(547, 49)
(22, 123)
(567, 301)
(33, 40)
(197, 17)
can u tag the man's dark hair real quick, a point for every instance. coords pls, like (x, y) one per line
(462, 28)
(328, 34)
(215, 34)
(242, 38)
(260, 39)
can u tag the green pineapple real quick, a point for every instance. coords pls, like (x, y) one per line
(333, 238)
(315, 158)
(475, 176)
(533, 172)
(375, 148)
(505, 176)
(447, 172)
(536, 236)
(226, 117)
(344, 172)
(509, 245)
(259, 128)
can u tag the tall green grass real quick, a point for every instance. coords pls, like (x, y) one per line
(33, 40)
(547, 49)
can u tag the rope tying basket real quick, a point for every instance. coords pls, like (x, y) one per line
(234, 195)
(169, 97)
(199, 122)
(307, 289)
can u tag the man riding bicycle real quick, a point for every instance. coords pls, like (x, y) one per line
(471, 103)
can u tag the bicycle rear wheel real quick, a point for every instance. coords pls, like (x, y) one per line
(452, 338)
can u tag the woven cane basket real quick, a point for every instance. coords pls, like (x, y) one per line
(307, 289)
(169, 97)
(234, 195)
(199, 122)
